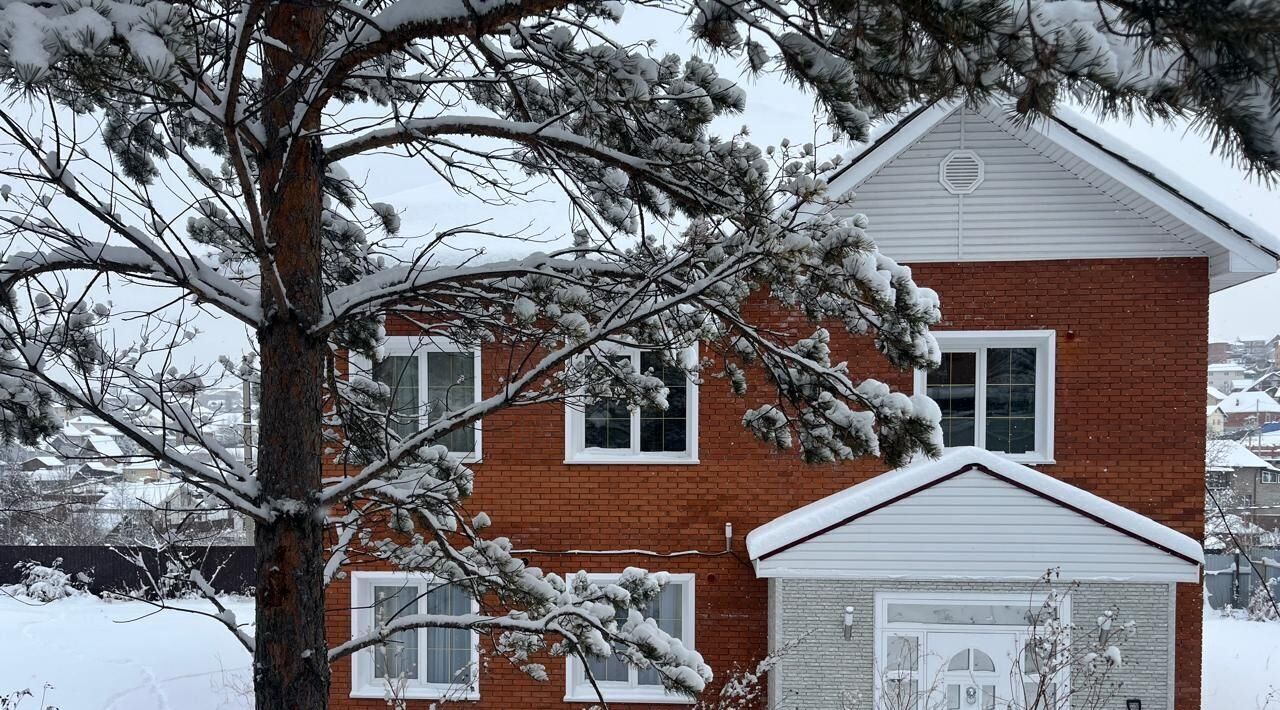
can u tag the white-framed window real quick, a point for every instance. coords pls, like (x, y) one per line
(429, 663)
(995, 389)
(429, 377)
(1271, 476)
(673, 611)
(608, 431)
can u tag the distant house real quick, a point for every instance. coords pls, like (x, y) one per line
(1219, 351)
(40, 463)
(1215, 395)
(1223, 374)
(1253, 483)
(1215, 420)
(1248, 410)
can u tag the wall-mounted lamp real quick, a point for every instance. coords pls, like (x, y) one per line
(1133, 704)
(848, 626)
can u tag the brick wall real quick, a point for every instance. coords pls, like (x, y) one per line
(822, 670)
(1129, 426)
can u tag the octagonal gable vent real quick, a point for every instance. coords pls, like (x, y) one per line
(961, 172)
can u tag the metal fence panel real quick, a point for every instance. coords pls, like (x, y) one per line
(230, 569)
(1231, 579)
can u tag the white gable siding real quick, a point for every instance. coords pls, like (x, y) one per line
(1028, 206)
(975, 526)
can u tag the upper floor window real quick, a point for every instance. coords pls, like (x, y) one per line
(608, 431)
(1271, 476)
(995, 390)
(429, 378)
(427, 663)
(672, 611)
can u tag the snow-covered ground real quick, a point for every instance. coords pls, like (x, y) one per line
(1241, 664)
(122, 655)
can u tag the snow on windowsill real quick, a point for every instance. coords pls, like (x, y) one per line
(416, 693)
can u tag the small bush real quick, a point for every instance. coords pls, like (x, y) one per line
(46, 583)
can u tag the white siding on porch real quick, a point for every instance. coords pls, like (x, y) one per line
(1028, 206)
(975, 526)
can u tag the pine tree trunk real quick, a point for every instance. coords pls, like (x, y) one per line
(291, 668)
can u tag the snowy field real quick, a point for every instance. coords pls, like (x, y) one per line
(1241, 664)
(122, 656)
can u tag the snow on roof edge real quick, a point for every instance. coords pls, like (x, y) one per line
(1155, 170)
(837, 508)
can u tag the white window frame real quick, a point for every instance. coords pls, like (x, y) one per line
(978, 341)
(417, 346)
(579, 690)
(575, 451)
(363, 684)
(1269, 477)
(920, 630)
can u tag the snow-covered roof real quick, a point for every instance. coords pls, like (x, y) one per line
(888, 488)
(1216, 393)
(1240, 385)
(138, 496)
(46, 461)
(1239, 250)
(1248, 403)
(1227, 455)
(104, 445)
(1226, 367)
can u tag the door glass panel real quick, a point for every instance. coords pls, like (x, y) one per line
(904, 694)
(959, 662)
(953, 697)
(961, 614)
(903, 654)
(982, 662)
(988, 697)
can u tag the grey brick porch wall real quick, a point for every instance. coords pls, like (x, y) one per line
(823, 671)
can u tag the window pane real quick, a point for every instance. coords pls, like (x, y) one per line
(953, 697)
(1011, 399)
(953, 386)
(608, 425)
(665, 430)
(400, 373)
(903, 654)
(448, 650)
(398, 658)
(982, 662)
(610, 670)
(959, 662)
(451, 385)
(667, 611)
(988, 697)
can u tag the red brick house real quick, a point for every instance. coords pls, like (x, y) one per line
(1074, 276)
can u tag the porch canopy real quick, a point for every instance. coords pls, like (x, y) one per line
(970, 514)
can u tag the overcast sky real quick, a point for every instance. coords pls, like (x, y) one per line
(775, 111)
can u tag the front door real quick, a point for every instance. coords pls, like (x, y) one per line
(969, 670)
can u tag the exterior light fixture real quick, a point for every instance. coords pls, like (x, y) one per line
(1133, 704)
(848, 624)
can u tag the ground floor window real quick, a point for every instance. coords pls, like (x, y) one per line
(673, 612)
(426, 663)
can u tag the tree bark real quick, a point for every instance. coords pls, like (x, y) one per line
(291, 668)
